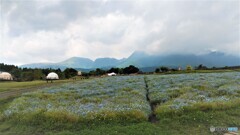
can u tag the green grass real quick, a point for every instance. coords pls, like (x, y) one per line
(166, 111)
(5, 102)
(6, 86)
(191, 123)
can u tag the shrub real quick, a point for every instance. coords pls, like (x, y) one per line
(189, 68)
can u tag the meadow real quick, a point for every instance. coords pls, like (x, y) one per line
(7, 86)
(178, 103)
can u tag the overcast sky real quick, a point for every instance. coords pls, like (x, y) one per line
(35, 31)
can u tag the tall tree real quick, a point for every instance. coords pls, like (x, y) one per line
(70, 72)
(130, 70)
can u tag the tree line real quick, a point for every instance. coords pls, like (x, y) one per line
(163, 69)
(29, 74)
(127, 70)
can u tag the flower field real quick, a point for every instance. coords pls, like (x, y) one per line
(176, 94)
(124, 98)
(109, 99)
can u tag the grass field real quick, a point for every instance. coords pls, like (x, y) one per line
(6, 86)
(179, 104)
(14, 89)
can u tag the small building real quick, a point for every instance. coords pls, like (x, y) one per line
(5, 76)
(79, 73)
(112, 74)
(52, 76)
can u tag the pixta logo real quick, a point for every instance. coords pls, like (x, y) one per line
(223, 129)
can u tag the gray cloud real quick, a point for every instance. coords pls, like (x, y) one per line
(54, 30)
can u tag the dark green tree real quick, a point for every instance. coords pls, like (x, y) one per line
(157, 70)
(130, 70)
(164, 69)
(115, 70)
(70, 72)
(100, 72)
(201, 67)
(27, 76)
(16, 74)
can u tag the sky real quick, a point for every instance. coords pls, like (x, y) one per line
(34, 31)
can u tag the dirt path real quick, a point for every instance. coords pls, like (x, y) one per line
(152, 117)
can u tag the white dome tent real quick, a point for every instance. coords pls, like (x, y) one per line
(5, 76)
(112, 74)
(52, 76)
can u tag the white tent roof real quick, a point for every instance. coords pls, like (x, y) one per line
(112, 74)
(5, 76)
(52, 76)
(79, 73)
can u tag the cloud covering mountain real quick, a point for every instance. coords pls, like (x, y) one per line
(143, 60)
(53, 30)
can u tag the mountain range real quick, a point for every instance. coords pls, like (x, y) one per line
(144, 61)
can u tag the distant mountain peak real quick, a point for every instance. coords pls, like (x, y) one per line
(106, 58)
(138, 54)
(141, 59)
(78, 58)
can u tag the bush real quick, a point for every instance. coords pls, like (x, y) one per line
(189, 68)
